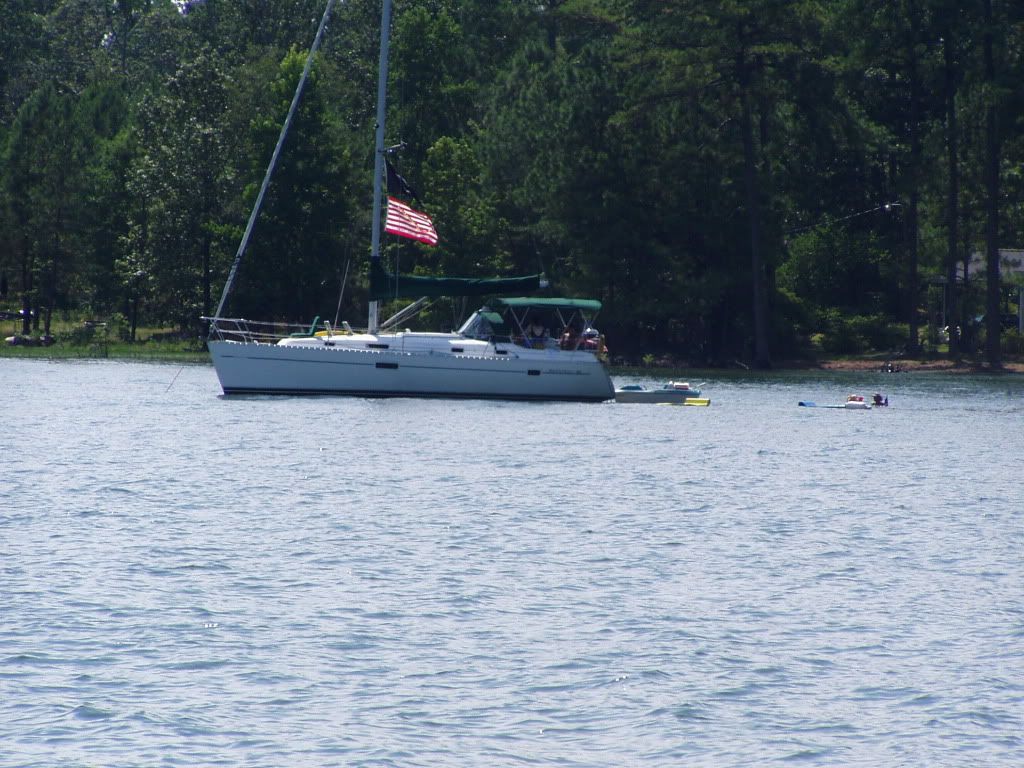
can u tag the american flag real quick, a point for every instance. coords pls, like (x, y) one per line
(403, 221)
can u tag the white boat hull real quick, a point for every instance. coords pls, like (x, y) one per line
(411, 365)
(848, 406)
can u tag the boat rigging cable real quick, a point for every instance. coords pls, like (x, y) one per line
(273, 161)
(341, 294)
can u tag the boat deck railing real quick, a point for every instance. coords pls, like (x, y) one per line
(259, 332)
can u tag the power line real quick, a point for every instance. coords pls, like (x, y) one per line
(828, 222)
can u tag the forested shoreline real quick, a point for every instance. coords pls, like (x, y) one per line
(751, 181)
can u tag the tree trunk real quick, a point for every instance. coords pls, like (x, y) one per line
(953, 321)
(762, 356)
(26, 290)
(914, 173)
(50, 282)
(992, 325)
(207, 294)
(49, 292)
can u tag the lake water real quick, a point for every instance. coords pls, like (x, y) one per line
(198, 581)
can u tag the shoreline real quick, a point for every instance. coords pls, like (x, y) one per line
(1014, 365)
(922, 366)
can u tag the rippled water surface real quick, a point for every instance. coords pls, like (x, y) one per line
(192, 580)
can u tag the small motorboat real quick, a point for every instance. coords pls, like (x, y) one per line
(673, 393)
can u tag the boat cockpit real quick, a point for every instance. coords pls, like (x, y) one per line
(556, 324)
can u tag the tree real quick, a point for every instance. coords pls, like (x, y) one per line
(123, 17)
(892, 56)
(951, 77)
(433, 93)
(42, 181)
(306, 225)
(102, 127)
(554, 160)
(740, 65)
(717, 174)
(993, 326)
(20, 36)
(182, 179)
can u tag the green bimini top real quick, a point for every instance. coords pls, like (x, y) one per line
(585, 305)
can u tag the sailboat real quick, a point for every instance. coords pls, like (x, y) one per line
(492, 355)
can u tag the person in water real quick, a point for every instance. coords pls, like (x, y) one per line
(879, 401)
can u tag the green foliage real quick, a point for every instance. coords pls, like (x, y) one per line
(1013, 343)
(44, 188)
(433, 93)
(82, 335)
(463, 211)
(307, 216)
(795, 322)
(655, 155)
(831, 266)
(839, 336)
(844, 334)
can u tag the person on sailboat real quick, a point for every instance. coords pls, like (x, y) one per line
(537, 334)
(570, 338)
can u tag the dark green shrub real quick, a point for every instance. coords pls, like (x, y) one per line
(839, 336)
(855, 334)
(1012, 343)
(78, 337)
(878, 332)
(793, 321)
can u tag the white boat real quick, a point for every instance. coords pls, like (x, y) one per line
(488, 357)
(853, 403)
(676, 392)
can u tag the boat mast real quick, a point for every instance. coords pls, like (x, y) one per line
(378, 155)
(273, 161)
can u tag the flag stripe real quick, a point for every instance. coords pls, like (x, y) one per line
(403, 221)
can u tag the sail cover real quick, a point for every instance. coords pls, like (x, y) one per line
(384, 285)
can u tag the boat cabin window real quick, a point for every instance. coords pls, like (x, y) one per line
(485, 325)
